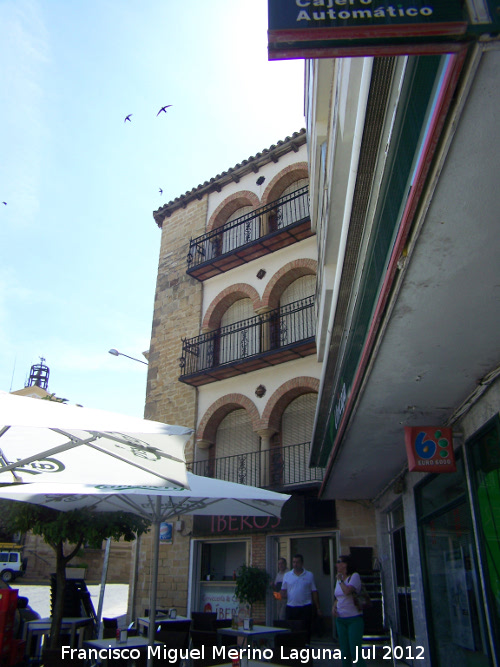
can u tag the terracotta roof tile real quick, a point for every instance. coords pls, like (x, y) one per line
(215, 184)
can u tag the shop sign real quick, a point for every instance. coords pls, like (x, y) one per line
(298, 513)
(306, 28)
(219, 599)
(430, 449)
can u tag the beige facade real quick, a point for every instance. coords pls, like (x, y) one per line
(233, 356)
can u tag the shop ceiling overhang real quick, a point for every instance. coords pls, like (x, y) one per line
(344, 28)
(437, 334)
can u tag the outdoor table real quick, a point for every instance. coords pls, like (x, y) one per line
(258, 631)
(41, 627)
(138, 642)
(160, 619)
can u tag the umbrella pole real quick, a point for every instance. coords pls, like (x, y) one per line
(104, 576)
(154, 580)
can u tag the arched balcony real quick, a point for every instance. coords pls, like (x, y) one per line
(277, 468)
(252, 235)
(271, 338)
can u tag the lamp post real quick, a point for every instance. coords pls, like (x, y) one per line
(115, 353)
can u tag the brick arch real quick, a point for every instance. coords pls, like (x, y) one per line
(284, 277)
(207, 428)
(225, 299)
(230, 205)
(282, 180)
(282, 397)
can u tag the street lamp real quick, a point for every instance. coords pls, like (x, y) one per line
(115, 353)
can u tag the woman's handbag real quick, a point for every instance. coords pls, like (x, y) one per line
(362, 599)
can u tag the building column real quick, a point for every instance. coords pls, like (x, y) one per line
(265, 455)
(265, 328)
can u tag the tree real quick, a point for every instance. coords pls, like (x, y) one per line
(251, 585)
(66, 533)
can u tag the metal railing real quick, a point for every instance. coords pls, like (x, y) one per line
(248, 338)
(280, 214)
(271, 468)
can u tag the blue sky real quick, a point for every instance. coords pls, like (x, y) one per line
(79, 245)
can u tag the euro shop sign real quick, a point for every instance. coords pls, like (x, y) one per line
(430, 449)
(336, 28)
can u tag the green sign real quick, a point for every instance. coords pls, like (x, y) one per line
(303, 28)
(312, 14)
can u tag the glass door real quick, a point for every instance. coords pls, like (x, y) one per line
(401, 573)
(454, 603)
(484, 466)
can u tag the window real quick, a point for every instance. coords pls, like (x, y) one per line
(484, 465)
(236, 235)
(292, 209)
(237, 450)
(295, 321)
(451, 575)
(240, 335)
(296, 429)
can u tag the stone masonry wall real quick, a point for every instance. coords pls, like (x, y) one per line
(177, 314)
(177, 310)
(356, 522)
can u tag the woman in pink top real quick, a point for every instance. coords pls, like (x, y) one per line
(348, 618)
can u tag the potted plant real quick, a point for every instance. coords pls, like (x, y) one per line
(251, 586)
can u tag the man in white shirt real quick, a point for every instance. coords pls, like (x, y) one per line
(300, 593)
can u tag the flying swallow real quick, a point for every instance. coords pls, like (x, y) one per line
(163, 109)
(4, 202)
(127, 118)
(161, 191)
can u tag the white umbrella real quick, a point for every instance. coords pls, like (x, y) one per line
(46, 441)
(205, 496)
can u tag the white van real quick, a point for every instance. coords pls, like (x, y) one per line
(11, 563)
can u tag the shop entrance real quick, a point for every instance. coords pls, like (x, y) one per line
(320, 554)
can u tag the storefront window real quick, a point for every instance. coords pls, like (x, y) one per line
(219, 563)
(457, 631)
(484, 465)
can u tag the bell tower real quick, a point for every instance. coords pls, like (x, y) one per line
(39, 375)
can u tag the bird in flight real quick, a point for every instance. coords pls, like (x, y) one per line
(163, 109)
(127, 118)
(161, 191)
(5, 203)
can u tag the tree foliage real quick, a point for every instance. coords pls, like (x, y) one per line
(66, 533)
(74, 527)
(251, 584)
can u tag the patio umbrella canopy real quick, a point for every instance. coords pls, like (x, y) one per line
(205, 496)
(46, 441)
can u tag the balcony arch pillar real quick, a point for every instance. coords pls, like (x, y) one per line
(265, 435)
(265, 328)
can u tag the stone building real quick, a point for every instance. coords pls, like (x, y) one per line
(233, 355)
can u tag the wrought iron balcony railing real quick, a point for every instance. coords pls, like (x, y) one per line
(272, 468)
(233, 347)
(252, 235)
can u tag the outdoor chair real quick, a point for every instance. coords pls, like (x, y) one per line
(204, 620)
(207, 639)
(297, 639)
(175, 626)
(110, 626)
(174, 639)
(53, 658)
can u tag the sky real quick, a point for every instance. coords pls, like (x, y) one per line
(78, 242)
